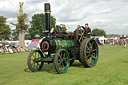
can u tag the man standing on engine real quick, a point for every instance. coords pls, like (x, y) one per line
(88, 30)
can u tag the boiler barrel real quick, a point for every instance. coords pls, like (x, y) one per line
(50, 45)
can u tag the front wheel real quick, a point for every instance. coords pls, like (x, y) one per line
(34, 62)
(61, 61)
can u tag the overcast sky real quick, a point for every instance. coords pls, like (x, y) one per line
(110, 15)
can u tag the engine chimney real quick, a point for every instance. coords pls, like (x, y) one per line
(47, 11)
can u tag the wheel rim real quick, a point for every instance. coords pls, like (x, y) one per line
(36, 64)
(63, 61)
(92, 52)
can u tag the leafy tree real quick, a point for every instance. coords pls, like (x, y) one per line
(22, 19)
(5, 30)
(20, 26)
(112, 35)
(38, 25)
(98, 32)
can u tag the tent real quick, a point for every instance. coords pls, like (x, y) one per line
(124, 36)
(33, 44)
(37, 40)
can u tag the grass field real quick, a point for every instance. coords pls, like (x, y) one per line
(111, 69)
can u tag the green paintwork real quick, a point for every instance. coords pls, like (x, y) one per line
(64, 44)
(46, 59)
(43, 59)
(68, 44)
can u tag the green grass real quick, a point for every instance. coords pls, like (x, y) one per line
(111, 69)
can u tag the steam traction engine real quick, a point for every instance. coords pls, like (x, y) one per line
(62, 48)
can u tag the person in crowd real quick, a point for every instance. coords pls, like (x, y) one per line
(102, 43)
(124, 42)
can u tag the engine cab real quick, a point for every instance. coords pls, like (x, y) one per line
(61, 32)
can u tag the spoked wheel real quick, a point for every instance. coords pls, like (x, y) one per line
(80, 35)
(61, 61)
(89, 52)
(34, 62)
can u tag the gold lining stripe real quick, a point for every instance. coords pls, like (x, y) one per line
(65, 44)
(59, 44)
(48, 11)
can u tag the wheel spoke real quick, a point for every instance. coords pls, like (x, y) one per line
(60, 66)
(93, 57)
(38, 55)
(87, 47)
(33, 56)
(38, 63)
(33, 64)
(64, 58)
(84, 37)
(63, 55)
(80, 39)
(88, 56)
(89, 44)
(63, 66)
(60, 56)
(59, 63)
(79, 34)
(81, 31)
(94, 50)
(87, 52)
(92, 44)
(90, 59)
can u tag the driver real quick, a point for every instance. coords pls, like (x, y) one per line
(88, 30)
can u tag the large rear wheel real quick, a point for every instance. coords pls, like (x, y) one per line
(89, 52)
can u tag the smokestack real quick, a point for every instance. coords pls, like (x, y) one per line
(47, 11)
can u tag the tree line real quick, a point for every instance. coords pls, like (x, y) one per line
(35, 28)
